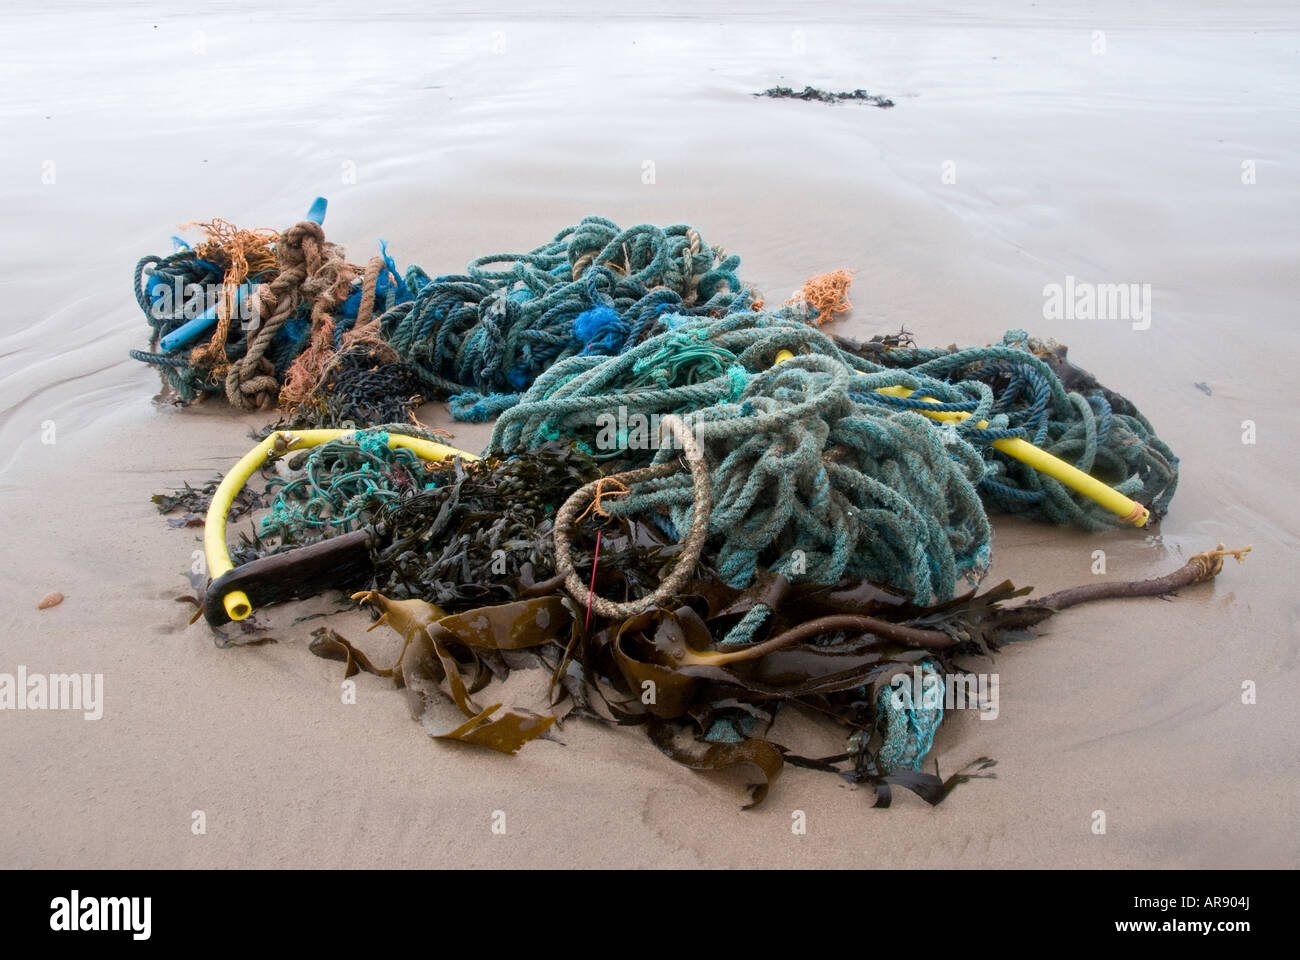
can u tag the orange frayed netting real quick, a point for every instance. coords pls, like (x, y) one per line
(826, 293)
(241, 252)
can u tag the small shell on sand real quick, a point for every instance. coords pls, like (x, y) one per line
(50, 600)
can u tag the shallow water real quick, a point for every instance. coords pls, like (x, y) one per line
(1016, 156)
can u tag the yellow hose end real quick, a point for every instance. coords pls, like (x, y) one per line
(782, 356)
(237, 605)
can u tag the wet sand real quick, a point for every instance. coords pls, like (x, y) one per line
(472, 133)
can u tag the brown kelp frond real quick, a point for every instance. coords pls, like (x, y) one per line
(505, 734)
(754, 753)
(407, 617)
(442, 659)
(1200, 568)
(978, 622)
(329, 645)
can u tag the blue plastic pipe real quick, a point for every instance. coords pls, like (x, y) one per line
(191, 329)
(188, 331)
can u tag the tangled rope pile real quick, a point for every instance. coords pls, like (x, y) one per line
(477, 338)
(799, 457)
(343, 485)
(1026, 389)
(483, 337)
(345, 345)
(171, 297)
(818, 476)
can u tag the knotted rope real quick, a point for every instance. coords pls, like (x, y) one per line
(478, 338)
(908, 727)
(314, 277)
(181, 270)
(343, 485)
(244, 252)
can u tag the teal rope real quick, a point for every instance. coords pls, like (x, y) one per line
(908, 727)
(1100, 432)
(482, 337)
(804, 478)
(743, 633)
(343, 485)
(815, 472)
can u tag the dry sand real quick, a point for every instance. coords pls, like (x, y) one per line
(472, 132)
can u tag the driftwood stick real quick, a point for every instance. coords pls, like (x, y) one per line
(1203, 566)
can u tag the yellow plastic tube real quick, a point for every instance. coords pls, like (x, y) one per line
(281, 442)
(1129, 510)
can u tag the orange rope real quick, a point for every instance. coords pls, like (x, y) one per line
(243, 252)
(600, 492)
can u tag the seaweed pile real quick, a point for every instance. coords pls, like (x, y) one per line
(481, 533)
(192, 503)
(362, 386)
(456, 533)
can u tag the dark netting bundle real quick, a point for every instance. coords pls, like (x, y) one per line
(362, 386)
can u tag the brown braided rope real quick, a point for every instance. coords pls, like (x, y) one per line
(310, 271)
(692, 546)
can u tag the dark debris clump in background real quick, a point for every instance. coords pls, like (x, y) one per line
(826, 96)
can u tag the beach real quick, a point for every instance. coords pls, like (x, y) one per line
(1091, 144)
